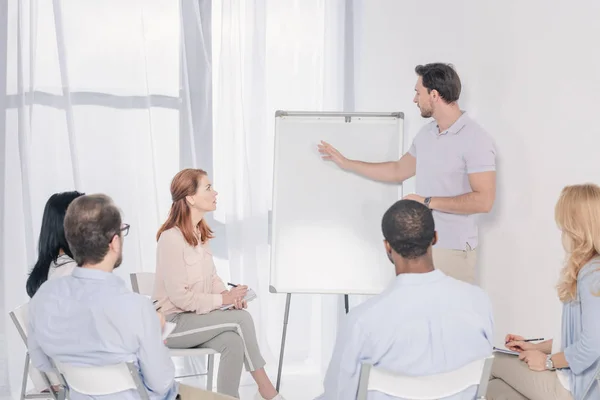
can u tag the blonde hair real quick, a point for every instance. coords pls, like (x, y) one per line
(577, 215)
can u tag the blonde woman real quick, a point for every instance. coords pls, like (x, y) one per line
(565, 368)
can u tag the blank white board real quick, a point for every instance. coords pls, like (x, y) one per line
(326, 222)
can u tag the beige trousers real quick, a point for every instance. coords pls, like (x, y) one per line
(191, 393)
(459, 264)
(513, 380)
(229, 332)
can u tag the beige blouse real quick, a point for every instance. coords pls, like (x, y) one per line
(186, 277)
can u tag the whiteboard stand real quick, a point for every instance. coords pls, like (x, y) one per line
(346, 304)
(309, 212)
(286, 315)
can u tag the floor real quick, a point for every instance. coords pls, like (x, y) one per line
(292, 388)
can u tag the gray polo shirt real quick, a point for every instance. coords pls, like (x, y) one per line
(444, 162)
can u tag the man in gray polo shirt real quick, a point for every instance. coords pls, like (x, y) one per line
(454, 160)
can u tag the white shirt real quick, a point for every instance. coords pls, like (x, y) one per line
(63, 266)
(563, 376)
(422, 324)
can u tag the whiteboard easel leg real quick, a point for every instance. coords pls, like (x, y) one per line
(285, 322)
(346, 303)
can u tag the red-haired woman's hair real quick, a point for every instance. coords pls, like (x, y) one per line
(184, 184)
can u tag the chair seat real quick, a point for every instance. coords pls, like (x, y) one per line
(143, 283)
(191, 352)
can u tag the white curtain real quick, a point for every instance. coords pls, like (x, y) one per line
(94, 98)
(115, 97)
(271, 55)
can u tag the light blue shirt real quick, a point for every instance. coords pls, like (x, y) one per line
(91, 319)
(422, 324)
(581, 333)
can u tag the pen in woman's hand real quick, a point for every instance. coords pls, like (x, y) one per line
(527, 340)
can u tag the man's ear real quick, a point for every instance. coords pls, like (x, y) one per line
(115, 244)
(388, 251)
(388, 248)
(435, 238)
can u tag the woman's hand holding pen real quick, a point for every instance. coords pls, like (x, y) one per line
(161, 317)
(235, 296)
(520, 344)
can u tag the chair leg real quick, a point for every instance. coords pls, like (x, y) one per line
(209, 372)
(25, 373)
(62, 393)
(49, 385)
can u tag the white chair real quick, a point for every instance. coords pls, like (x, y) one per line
(98, 381)
(143, 283)
(20, 317)
(432, 387)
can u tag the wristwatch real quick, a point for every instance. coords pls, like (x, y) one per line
(549, 363)
(427, 201)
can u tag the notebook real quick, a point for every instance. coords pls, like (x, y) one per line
(250, 295)
(168, 329)
(505, 351)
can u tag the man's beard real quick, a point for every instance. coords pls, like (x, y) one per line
(119, 261)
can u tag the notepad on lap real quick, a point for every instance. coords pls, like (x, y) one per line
(250, 295)
(504, 351)
(168, 329)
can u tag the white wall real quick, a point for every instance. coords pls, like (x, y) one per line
(531, 77)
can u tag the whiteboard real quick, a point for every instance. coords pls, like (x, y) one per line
(326, 222)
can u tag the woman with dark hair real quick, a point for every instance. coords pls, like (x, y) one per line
(192, 295)
(54, 256)
(54, 260)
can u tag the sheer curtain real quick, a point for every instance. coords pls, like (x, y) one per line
(270, 55)
(116, 96)
(95, 97)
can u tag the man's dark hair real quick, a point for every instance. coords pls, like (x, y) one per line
(409, 228)
(91, 223)
(440, 77)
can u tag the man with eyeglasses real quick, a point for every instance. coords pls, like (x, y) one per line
(92, 319)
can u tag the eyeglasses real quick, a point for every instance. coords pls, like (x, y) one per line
(125, 229)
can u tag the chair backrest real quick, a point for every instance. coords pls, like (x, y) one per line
(430, 387)
(142, 283)
(20, 317)
(104, 380)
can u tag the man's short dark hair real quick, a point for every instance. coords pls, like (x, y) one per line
(440, 77)
(409, 228)
(91, 222)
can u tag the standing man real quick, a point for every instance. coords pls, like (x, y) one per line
(455, 163)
